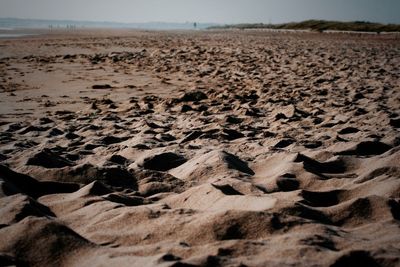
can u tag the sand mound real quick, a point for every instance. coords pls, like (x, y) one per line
(162, 161)
(218, 197)
(211, 165)
(13, 183)
(116, 176)
(17, 207)
(48, 159)
(42, 235)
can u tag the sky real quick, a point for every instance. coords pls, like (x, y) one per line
(214, 11)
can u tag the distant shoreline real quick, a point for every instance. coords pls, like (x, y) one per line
(15, 35)
(15, 23)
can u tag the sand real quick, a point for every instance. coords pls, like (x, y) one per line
(199, 148)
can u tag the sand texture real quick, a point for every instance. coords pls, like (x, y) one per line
(209, 148)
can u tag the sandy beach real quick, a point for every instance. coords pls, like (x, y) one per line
(199, 148)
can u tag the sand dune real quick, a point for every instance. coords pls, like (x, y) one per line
(215, 148)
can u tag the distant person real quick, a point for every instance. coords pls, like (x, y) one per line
(195, 25)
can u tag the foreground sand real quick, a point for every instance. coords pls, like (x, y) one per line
(239, 148)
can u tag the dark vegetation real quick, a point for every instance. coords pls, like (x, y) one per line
(319, 25)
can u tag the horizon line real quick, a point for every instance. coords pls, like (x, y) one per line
(188, 22)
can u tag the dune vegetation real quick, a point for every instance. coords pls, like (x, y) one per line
(319, 25)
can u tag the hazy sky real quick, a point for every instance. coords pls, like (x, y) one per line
(219, 11)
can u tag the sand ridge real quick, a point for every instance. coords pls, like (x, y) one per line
(206, 148)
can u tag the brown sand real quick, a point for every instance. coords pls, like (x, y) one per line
(236, 148)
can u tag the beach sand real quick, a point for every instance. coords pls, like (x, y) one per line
(199, 148)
